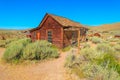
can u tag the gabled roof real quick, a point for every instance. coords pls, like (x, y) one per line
(61, 20)
(65, 22)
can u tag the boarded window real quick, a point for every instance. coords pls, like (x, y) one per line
(50, 36)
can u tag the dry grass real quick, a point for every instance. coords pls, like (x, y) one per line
(10, 34)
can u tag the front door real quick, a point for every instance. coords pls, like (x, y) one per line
(38, 36)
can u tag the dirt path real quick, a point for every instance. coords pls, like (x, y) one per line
(1, 52)
(48, 70)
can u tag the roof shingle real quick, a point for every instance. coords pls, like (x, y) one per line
(61, 20)
(65, 22)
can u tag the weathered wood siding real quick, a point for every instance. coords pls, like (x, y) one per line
(50, 25)
(69, 37)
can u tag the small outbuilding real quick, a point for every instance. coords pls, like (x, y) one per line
(27, 33)
(59, 30)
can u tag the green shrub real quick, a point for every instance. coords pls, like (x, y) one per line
(66, 48)
(96, 40)
(40, 50)
(96, 72)
(8, 41)
(104, 48)
(89, 54)
(2, 43)
(14, 50)
(117, 47)
(118, 42)
(29, 51)
(86, 45)
(92, 71)
(108, 57)
(114, 40)
(5, 43)
(105, 42)
(109, 61)
(25, 50)
(70, 60)
(95, 63)
(89, 38)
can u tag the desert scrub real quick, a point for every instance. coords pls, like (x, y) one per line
(2, 43)
(104, 48)
(8, 41)
(118, 42)
(105, 68)
(14, 50)
(96, 40)
(66, 48)
(95, 63)
(117, 47)
(24, 49)
(97, 72)
(110, 62)
(90, 54)
(24, 41)
(106, 42)
(89, 38)
(39, 50)
(85, 45)
(70, 60)
(114, 40)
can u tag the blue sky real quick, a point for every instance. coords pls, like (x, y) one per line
(23, 14)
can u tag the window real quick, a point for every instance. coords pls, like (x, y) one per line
(49, 36)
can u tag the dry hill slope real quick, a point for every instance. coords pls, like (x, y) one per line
(107, 27)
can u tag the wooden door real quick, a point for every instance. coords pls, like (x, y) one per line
(38, 36)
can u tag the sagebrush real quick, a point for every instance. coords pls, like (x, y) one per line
(25, 49)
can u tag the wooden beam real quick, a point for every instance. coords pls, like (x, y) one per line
(71, 29)
(78, 40)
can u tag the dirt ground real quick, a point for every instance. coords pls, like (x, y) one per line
(47, 70)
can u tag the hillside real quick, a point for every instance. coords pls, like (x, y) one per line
(8, 34)
(107, 27)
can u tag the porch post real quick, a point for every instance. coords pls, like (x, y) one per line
(78, 39)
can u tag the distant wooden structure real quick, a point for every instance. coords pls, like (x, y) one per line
(59, 30)
(97, 34)
(117, 36)
(27, 33)
(94, 34)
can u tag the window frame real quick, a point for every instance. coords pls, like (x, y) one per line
(50, 36)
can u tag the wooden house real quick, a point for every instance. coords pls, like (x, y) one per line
(58, 30)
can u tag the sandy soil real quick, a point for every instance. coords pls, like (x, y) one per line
(47, 70)
(1, 52)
